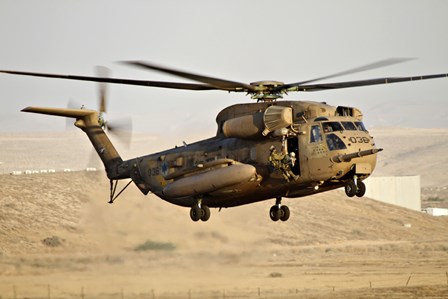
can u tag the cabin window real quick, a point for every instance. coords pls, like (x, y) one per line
(321, 118)
(360, 126)
(344, 111)
(315, 135)
(335, 143)
(332, 126)
(349, 126)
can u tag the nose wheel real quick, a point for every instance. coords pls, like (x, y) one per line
(279, 211)
(355, 187)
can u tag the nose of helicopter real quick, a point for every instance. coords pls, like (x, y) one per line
(352, 151)
(358, 140)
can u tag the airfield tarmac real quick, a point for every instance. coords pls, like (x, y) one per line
(59, 238)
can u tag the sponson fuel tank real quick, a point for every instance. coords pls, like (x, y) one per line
(211, 180)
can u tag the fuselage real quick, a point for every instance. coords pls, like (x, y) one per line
(226, 171)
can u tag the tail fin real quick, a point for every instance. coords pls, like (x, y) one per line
(87, 120)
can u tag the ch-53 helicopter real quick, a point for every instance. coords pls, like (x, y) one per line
(265, 150)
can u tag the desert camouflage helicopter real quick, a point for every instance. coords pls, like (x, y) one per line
(265, 150)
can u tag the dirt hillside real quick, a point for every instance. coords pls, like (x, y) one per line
(413, 152)
(61, 224)
(59, 236)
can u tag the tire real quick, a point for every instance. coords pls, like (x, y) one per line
(275, 213)
(205, 213)
(195, 213)
(361, 190)
(350, 189)
(285, 213)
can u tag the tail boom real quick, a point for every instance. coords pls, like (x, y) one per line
(87, 120)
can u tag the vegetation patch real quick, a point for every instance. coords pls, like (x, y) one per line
(435, 198)
(53, 241)
(153, 245)
(276, 274)
(357, 232)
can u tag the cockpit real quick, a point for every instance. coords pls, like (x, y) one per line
(329, 130)
(333, 126)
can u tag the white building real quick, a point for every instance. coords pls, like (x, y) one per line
(402, 191)
(437, 211)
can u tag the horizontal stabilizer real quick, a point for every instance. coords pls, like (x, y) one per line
(74, 113)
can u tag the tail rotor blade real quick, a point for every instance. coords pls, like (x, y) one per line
(71, 104)
(102, 72)
(122, 129)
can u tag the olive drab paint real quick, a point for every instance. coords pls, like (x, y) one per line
(247, 165)
(264, 150)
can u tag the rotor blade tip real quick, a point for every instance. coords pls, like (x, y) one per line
(131, 62)
(27, 109)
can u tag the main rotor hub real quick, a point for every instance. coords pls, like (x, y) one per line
(264, 90)
(268, 84)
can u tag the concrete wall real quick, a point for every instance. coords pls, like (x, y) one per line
(402, 191)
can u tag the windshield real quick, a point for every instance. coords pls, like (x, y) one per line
(349, 126)
(335, 126)
(360, 126)
(332, 126)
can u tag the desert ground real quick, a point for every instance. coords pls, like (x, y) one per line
(59, 238)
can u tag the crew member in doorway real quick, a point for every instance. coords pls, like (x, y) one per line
(283, 163)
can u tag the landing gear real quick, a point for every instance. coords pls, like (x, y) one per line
(274, 213)
(113, 189)
(200, 212)
(361, 189)
(205, 213)
(195, 213)
(279, 212)
(352, 188)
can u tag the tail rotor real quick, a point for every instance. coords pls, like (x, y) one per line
(121, 128)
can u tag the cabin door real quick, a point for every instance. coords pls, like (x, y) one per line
(293, 147)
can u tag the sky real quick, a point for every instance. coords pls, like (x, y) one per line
(244, 41)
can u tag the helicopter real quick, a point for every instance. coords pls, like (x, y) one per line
(270, 149)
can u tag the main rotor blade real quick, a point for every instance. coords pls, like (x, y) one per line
(338, 85)
(367, 67)
(216, 82)
(172, 85)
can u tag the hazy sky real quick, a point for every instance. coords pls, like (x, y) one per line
(244, 41)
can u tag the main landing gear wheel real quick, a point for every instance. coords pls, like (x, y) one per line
(275, 213)
(279, 212)
(195, 213)
(200, 213)
(285, 213)
(205, 213)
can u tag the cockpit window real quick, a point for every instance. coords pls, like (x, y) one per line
(335, 143)
(360, 126)
(349, 126)
(332, 126)
(315, 135)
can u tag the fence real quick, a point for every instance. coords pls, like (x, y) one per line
(403, 291)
